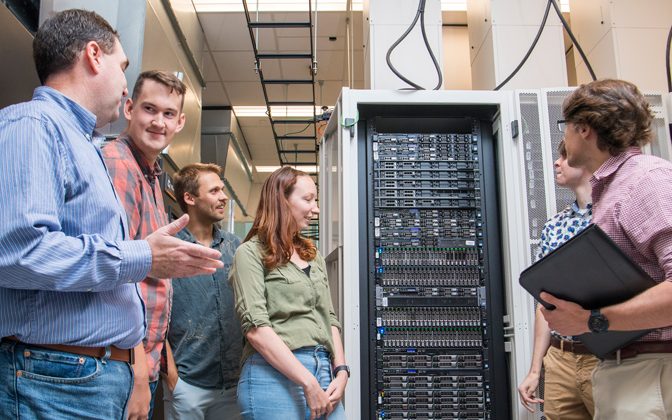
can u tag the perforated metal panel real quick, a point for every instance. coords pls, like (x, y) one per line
(554, 99)
(530, 130)
(660, 145)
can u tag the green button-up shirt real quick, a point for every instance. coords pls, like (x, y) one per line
(296, 306)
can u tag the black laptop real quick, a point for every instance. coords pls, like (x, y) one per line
(591, 270)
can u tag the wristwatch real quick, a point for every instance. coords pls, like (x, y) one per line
(340, 368)
(597, 323)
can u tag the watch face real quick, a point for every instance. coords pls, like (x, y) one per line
(598, 323)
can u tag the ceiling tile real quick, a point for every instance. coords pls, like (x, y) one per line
(238, 66)
(294, 43)
(254, 122)
(245, 93)
(289, 92)
(214, 95)
(209, 70)
(328, 93)
(331, 65)
(226, 31)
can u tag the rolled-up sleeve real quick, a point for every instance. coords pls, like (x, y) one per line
(247, 281)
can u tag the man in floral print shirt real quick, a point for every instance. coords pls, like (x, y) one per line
(568, 365)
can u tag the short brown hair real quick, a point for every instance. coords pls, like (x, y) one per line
(562, 149)
(61, 38)
(186, 180)
(165, 78)
(615, 109)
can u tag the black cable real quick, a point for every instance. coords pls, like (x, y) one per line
(529, 51)
(667, 61)
(300, 131)
(575, 42)
(429, 48)
(419, 15)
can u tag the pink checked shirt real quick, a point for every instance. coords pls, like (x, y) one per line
(632, 203)
(137, 186)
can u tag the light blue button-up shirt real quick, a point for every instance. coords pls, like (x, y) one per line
(67, 275)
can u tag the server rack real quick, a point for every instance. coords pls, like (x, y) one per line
(454, 318)
(433, 282)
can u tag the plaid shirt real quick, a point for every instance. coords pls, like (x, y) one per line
(632, 203)
(140, 193)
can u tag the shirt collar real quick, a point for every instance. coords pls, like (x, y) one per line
(84, 118)
(580, 211)
(217, 236)
(611, 165)
(150, 171)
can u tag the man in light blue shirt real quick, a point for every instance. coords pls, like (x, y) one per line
(70, 309)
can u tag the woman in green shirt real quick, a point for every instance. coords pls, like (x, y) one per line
(292, 336)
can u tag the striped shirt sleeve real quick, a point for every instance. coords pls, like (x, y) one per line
(35, 253)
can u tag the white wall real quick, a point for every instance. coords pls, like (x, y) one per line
(456, 61)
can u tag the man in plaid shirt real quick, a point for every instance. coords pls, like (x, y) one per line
(607, 122)
(154, 115)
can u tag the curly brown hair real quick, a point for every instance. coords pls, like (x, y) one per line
(274, 225)
(615, 109)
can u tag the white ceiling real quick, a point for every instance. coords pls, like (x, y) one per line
(231, 79)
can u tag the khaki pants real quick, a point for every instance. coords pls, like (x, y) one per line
(637, 388)
(567, 385)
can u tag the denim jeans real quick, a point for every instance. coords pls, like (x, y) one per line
(264, 393)
(46, 384)
(189, 402)
(152, 392)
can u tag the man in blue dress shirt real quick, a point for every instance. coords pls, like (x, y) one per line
(70, 309)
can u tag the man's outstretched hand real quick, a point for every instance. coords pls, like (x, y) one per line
(172, 257)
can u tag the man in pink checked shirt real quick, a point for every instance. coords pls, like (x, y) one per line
(607, 122)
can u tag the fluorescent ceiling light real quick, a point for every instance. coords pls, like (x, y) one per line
(277, 111)
(266, 169)
(322, 5)
(304, 168)
(273, 5)
(302, 5)
(454, 5)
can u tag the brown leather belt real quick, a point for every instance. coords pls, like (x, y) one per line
(120, 355)
(640, 347)
(575, 347)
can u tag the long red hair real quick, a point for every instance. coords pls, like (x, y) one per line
(274, 224)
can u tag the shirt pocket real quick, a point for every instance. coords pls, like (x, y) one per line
(321, 284)
(286, 293)
(281, 275)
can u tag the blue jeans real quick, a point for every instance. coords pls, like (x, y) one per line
(37, 383)
(265, 393)
(152, 391)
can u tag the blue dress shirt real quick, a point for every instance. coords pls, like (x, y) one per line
(67, 276)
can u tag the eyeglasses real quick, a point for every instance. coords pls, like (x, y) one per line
(561, 125)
